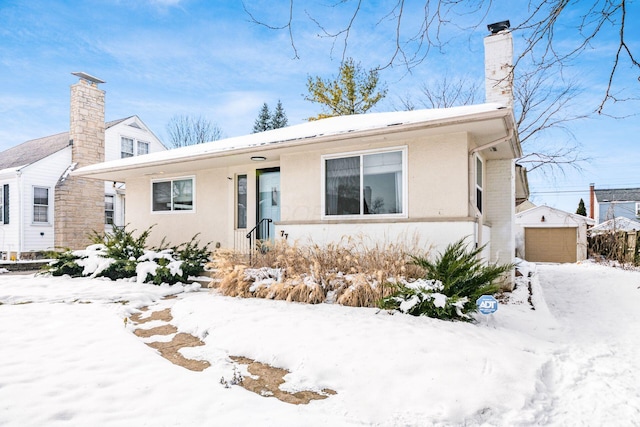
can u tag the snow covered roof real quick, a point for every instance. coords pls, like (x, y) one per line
(523, 216)
(618, 195)
(341, 127)
(37, 149)
(616, 224)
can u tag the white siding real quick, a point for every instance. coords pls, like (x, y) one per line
(132, 128)
(9, 232)
(44, 173)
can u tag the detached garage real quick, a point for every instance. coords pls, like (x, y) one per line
(546, 234)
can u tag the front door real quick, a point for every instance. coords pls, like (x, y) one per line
(268, 203)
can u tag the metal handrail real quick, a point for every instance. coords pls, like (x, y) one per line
(254, 236)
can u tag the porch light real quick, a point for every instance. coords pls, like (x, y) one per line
(258, 158)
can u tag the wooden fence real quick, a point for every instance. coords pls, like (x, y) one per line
(621, 246)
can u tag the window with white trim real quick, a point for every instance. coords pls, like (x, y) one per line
(109, 203)
(126, 147)
(4, 204)
(241, 201)
(143, 148)
(365, 184)
(173, 195)
(479, 183)
(40, 204)
(638, 209)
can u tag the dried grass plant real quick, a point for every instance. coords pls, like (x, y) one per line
(352, 271)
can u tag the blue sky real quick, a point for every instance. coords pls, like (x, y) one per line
(205, 58)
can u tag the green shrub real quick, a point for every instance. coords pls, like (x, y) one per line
(454, 281)
(124, 249)
(193, 257)
(65, 262)
(121, 255)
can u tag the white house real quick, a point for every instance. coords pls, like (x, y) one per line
(33, 174)
(546, 234)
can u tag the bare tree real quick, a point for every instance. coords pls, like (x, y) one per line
(543, 105)
(539, 27)
(186, 130)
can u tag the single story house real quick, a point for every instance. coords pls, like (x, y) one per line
(546, 234)
(613, 203)
(41, 207)
(440, 174)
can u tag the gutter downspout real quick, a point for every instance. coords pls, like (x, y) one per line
(478, 225)
(493, 143)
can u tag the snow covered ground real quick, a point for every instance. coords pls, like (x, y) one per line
(67, 357)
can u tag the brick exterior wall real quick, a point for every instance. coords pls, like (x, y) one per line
(498, 68)
(500, 210)
(79, 202)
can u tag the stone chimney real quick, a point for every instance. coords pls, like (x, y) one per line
(498, 64)
(79, 202)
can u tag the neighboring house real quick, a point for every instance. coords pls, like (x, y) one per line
(613, 203)
(546, 234)
(614, 225)
(39, 206)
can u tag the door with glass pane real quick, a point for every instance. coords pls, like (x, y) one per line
(268, 203)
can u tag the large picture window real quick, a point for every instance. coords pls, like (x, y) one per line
(40, 204)
(365, 184)
(173, 195)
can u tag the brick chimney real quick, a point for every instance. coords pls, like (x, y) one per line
(79, 202)
(592, 199)
(498, 64)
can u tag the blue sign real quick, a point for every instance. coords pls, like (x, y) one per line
(487, 304)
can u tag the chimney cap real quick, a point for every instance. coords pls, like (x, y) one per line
(496, 27)
(88, 77)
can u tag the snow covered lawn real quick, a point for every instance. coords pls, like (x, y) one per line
(68, 358)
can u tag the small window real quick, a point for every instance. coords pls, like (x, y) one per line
(479, 183)
(143, 148)
(108, 209)
(126, 147)
(638, 209)
(40, 204)
(173, 195)
(4, 204)
(365, 184)
(241, 201)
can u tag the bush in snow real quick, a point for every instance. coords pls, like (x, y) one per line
(350, 272)
(452, 284)
(124, 249)
(121, 255)
(65, 263)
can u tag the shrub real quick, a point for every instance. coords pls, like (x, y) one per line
(454, 281)
(121, 255)
(65, 262)
(124, 249)
(350, 272)
(193, 257)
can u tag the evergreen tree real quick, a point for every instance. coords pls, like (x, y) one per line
(263, 122)
(352, 92)
(279, 117)
(581, 209)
